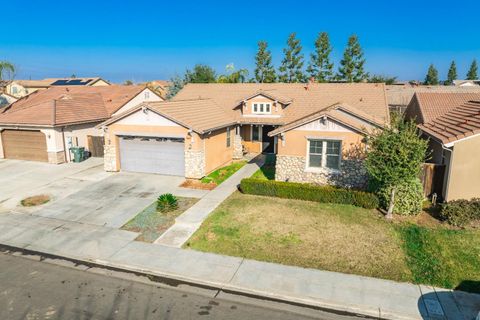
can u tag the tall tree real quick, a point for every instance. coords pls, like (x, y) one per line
(378, 78)
(201, 73)
(7, 70)
(473, 71)
(452, 73)
(264, 70)
(432, 76)
(320, 66)
(352, 65)
(292, 63)
(176, 84)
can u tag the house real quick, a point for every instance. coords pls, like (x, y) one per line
(6, 99)
(400, 95)
(44, 125)
(21, 88)
(451, 123)
(466, 83)
(315, 130)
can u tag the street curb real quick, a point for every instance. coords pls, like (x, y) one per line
(175, 280)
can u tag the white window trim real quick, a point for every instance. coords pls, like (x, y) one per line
(229, 137)
(258, 107)
(323, 167)
(260, 133)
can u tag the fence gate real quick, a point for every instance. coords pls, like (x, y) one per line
(432, 178)
(95, 145)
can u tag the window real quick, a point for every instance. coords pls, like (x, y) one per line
(255, 133)
(324, 154)
(262, 108)
(228, 137)
(147, 95)
(14, 90)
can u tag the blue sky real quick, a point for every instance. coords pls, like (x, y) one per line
(145, 40)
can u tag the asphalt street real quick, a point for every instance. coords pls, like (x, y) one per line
(34, 289)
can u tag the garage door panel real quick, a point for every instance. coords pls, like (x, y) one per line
(24, 145)
(152, 155)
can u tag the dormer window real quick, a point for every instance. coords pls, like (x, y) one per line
(262, 108)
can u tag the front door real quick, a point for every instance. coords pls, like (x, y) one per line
(268, 143)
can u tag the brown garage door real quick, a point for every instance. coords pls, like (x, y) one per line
(24, 145)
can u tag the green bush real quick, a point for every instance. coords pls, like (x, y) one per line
(460, 212)
(302, 191)
(167, 202)
(408, 197)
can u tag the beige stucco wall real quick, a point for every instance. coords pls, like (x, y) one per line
(464, 174)
(100, 83)
(144, 96)
(217, 153)
(79, 134)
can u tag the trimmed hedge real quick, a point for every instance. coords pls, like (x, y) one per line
(303, 191)
(460, 212)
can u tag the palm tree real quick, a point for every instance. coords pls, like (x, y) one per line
(7, 70)
(232, 76)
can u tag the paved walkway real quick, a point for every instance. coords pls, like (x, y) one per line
(112, 247)
(189, 221)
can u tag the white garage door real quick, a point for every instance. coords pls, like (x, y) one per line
(152, 155)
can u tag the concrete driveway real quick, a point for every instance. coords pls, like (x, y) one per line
(83, 192)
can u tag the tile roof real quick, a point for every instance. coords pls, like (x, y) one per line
(68, 105)
(432, 105)
(305, 99)
(457, 123)
(47, 82)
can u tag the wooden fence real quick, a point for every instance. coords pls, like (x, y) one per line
(432, 178)
(95, 145)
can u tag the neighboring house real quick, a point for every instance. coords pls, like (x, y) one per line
(159, 86)
(21, 88)
(400, 95)
(466, 83)
(316, 130)
(44, 125)
(6, 99)
(451, 123)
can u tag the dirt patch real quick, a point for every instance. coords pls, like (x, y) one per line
(197, 184)
(35, 200)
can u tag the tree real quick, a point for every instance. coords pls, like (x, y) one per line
(264, 70)
(473, 71)
(128, 83)
(176, 84)
(201, 73)
(320, 66)
(382, 79)
(452, 73)
(7, 70)
(432, 76)
(292, 63)
(352, 65)
(395, 155)
(233, 76)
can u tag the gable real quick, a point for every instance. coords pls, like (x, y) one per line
(146, 118)
(145, 95)
(324, 125)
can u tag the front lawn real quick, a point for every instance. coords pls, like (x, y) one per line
(222, 174)
(341, 238)
(151, 223)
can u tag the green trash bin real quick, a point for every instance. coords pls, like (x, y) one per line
(78, 154)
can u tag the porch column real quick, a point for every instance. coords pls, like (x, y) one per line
(237, 144)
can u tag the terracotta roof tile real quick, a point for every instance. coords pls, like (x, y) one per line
(70, 104)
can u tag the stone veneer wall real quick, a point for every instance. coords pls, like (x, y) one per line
(194, 164)
(352, 173)
(109, 158)
(56, 157)
(237, 147)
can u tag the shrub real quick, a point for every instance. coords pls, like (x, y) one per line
(302, 191)
(167, 202)
(408, 197)
(460, 212)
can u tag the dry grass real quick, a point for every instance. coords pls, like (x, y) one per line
(197, 184)
(325, 236)
(35, 200)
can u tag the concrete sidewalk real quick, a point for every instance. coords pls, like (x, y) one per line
(188, 222)
(342, 292)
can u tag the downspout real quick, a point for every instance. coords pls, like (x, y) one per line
(67, 154)
(447, 177)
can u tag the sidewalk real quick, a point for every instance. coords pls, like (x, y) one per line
(188, 222)
(116, 248)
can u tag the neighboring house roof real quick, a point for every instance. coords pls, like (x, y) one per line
(466, 82)
(427, 106)
(457, 123)
(45, 83)
(68, 105)
(401, 95)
